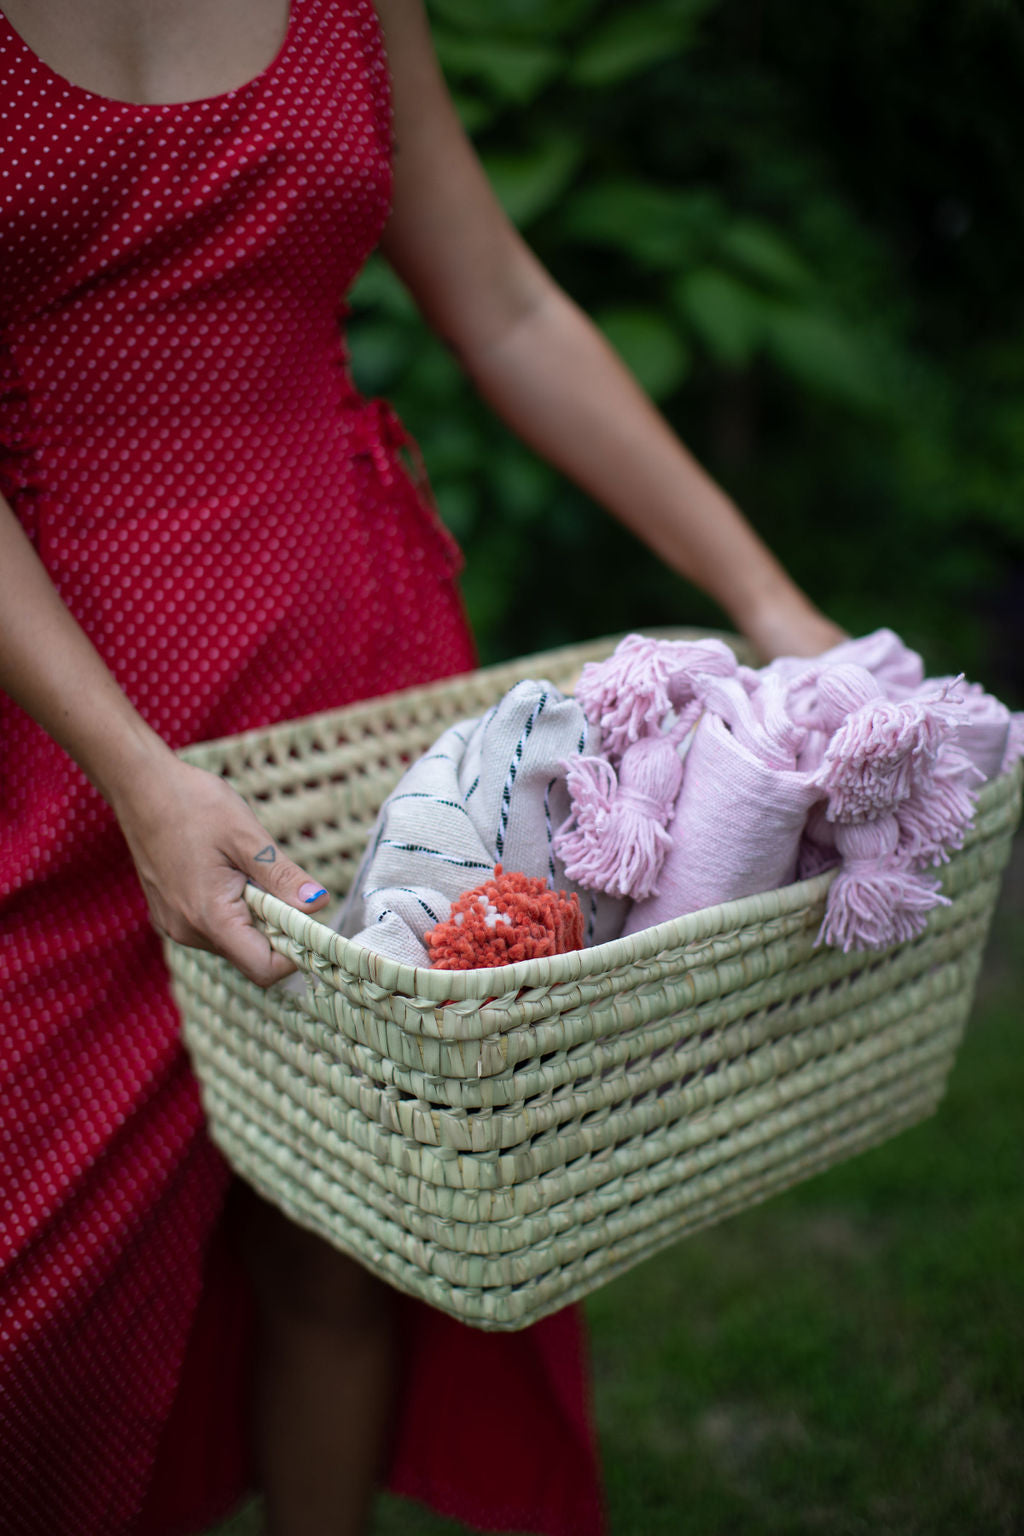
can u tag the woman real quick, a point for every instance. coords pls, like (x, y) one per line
(205, 529)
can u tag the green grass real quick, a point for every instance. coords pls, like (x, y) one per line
(846, 1359)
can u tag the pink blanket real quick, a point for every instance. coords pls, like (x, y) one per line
(718, 781)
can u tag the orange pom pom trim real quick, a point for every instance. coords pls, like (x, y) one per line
(512, 917)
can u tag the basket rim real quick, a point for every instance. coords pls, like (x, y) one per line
(493, 982)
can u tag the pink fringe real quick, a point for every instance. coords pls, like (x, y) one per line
(877, 898)
(875, 905)
(615, 839)
(630, 694)
(936, 815)
(880, 754)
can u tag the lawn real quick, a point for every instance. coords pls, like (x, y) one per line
(848, 1358)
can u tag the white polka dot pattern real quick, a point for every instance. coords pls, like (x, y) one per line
(234, 528)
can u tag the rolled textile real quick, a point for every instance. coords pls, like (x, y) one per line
(736, 829)
(489, 791)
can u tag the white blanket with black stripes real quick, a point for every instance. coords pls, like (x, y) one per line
(489, 791)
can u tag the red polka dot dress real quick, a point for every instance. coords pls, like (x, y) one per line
(234, 528)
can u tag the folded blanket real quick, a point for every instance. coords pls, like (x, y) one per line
(489, 791)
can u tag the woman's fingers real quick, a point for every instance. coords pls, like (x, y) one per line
(268, 866)
(195, 843)
(239, 941)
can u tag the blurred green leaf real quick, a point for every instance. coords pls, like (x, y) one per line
(513, 71)
(523, 484)
(434, 375)
(824, 354)
(655, 225)
(727, 315)
(520, 18)
(765, 254)
(454, 447)
(629, 41)
(528, 183)
(649, 346)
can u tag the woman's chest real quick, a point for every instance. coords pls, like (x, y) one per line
(141, 52)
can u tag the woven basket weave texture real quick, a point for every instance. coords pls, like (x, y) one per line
(500, 1142)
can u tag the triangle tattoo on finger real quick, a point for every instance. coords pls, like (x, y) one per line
(266, 855)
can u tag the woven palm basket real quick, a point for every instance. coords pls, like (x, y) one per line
(500, 1142)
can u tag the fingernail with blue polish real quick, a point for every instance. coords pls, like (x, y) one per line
(311, 892)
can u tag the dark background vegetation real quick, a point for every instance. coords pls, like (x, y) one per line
(802, 224)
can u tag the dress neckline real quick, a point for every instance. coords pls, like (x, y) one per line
(195, 104)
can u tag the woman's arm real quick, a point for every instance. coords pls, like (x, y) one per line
(192, 838)
(548, 371)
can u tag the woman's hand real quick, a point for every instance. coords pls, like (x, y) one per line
(790, 626)
(195, 842)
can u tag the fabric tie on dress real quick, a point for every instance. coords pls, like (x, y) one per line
(378, 433)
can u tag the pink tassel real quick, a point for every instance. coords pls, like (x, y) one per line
(876, 899)
(877, 756)
(615, 840)
(937, 813)
(630, 694)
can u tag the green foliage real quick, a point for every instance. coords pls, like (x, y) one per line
(800, 226)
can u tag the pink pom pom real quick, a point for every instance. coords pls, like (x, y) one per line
(878, 755)
(615, 840)
(630, 694)
(876, 899)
